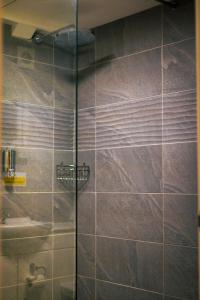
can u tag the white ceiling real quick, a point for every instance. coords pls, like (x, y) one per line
(52, 15)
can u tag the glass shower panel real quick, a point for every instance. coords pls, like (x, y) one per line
(38, 214)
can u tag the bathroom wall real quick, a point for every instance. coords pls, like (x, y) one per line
(137, 217)
(38, 113)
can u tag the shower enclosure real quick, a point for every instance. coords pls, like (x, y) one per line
(38, 213)
(99, 151)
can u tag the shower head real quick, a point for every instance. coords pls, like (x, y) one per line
(73, 38)
(67, 37)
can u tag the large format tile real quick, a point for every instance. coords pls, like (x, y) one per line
(63, 288)
(136, 170)
(86, 255)
(180, 168)
(179, 67)
(87, 157)
(86, 288)
(142, 214)
(130, 263)
(9, 270)
(132, 77)
(37, 165)
(64, 124)
(18, 129)
(9, 293)
(179, 24)
(28, 81)
(109, 291)
(86, 129)
(64, 212)
(37, 207)
(64, 262)
(180, 219)
(86, 87)
(179, 117)
(86, 213)
(40, 291)
(181, 272)
(136, 33)
(127, 124)
(65, 87)
(25, 49)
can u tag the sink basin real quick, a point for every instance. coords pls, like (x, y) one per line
(23, 227)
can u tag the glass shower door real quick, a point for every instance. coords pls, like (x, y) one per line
(38, 209)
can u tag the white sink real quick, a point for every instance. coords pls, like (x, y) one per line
(23, 227)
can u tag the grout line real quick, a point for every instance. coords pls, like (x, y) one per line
(95, 185)
(143, 51)
(163, 212)
(136, 99)
(138, 241)
(39, 62)
(135, 146)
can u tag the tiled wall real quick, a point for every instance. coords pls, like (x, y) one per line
(39, 103)
(137, 217)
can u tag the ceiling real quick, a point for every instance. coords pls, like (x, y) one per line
(52, 15)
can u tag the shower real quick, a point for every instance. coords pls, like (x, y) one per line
(67, 37)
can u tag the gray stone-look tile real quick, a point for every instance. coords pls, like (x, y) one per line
(18, 128)
(63, 129)
(179, 117)
(9, 293)
(180, 168)
(66, 240)
(64, 262)
(181, 272)
(37, 207)
(86, 213)
(132, 77)
(28, 81)
(86, 288)
(180, 219)
(179, 23)
(136, 170)
(64, 85)
(63, 288)
(86, 129)
(64, 56)
(110, 291)
(137, 217)
(86, 255)
(136, 33)
(127, 124)
(87, 157)
(179, 67)
(40, 291)
(130, 263)
(86, 87)
(37, 166)
(8, 271)
(86, 56)
(26, 49)
(64, 212)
